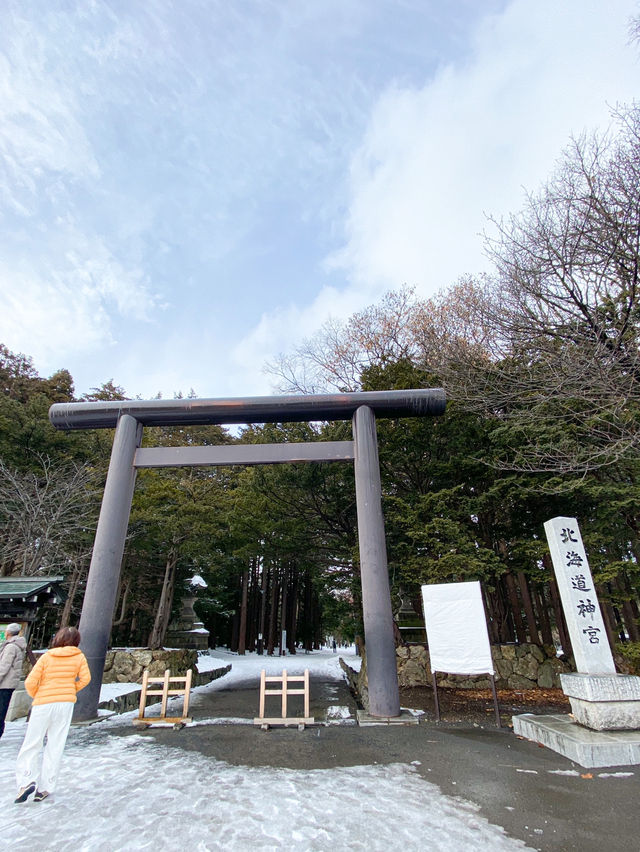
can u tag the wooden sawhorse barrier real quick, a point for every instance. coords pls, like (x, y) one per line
(165, 692)
(285, 691)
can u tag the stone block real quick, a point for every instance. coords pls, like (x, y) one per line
(591, 749)
(143, 657)
(527, 667)
(504, 669)
(546, 675)
(608, 687)
(519, 682)
(412, 673)
(19, 705)
(537, 653)
(604, 702)
(508, 652)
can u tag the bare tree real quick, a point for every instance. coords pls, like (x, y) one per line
(335, 357)
(45, 517)
(561, 365)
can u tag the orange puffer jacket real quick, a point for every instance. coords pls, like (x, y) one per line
(58, 676)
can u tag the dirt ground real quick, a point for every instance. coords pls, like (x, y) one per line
(475, 706)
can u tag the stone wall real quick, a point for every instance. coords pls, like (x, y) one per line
(127, 666)
(131, 700)
(517, 667)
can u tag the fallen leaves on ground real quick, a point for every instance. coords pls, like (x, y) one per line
(470, 704)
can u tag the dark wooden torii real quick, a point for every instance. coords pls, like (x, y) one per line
(130, 416)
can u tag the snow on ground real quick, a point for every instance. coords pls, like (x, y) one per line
(247, 667)
(129, 793)
(324, 665)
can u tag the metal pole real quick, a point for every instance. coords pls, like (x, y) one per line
(106, 560)
(435, 695)
(495, 700)
(384, 699)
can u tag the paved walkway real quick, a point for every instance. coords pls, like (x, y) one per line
(535, 794)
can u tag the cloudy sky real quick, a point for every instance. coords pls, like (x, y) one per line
(188, 187)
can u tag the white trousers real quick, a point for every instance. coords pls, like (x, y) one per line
(53, 720)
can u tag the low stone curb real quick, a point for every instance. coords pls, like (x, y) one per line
(131, 700)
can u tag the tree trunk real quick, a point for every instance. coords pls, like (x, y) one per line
(528, 608)
(627, 611)
(317, 622)
(242, 635)
(76, 576)
(563, 633)
(273, 612)
(514, 605)
(283, 616)
(293, 612)
(163, 614)
(492, 626)
(543, 614)
(263, 607)
(607, 616)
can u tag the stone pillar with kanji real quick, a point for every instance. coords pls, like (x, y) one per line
(600, 698)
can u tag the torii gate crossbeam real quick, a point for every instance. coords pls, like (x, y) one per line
(130, 416)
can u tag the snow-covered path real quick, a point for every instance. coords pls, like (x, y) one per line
(130, 793)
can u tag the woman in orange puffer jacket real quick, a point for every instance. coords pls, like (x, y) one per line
(53, 684)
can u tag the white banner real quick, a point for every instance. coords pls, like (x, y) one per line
(457, 628)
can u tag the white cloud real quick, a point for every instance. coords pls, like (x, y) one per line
(435, 160)
(68, 299)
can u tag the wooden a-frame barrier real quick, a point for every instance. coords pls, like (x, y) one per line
(284, 691)
(165, 692)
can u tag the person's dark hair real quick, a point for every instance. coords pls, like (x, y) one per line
(66, 636)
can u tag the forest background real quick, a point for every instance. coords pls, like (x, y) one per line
(541, 366)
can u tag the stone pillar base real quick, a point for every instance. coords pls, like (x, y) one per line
(604, 702)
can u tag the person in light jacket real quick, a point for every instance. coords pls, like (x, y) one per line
(53, 683)
(12, 653)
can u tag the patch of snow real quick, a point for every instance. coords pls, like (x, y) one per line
(208, 664)
(197, 581)
(573, 772)
(108, 691)
(337, 711)
(247, 667)
(124, 793)
(615, 774)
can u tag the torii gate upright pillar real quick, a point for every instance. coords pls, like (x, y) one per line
(382, 670)
(106, 559)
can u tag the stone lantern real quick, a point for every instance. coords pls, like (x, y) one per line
(187, 631)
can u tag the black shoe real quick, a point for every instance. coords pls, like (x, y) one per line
(24, 793)
(40, 796)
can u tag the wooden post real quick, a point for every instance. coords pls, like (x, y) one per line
(165, 692)
(284, 693)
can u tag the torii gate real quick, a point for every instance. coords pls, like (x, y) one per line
(130, 416)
